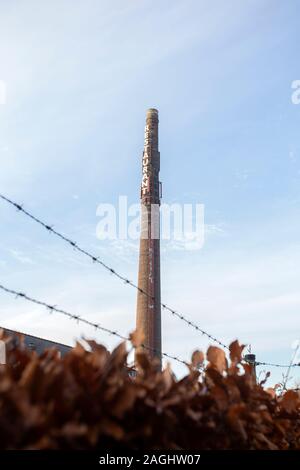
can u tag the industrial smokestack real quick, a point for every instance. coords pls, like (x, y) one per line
(148, 318)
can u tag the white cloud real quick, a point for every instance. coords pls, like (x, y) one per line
(21, 257)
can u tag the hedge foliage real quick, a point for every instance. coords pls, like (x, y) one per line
(87, 400)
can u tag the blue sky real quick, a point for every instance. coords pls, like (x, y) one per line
(80, 76)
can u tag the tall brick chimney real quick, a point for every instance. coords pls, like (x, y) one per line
(148, 317)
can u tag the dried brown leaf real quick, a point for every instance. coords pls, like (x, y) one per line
(197, 359)
(137, 338)
(217, 358)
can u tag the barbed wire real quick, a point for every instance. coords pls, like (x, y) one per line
(112, 271)
(276, 365)
(97, 326)
(127, 281)
(71, 316)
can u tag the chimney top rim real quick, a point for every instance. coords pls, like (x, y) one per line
(152, 111)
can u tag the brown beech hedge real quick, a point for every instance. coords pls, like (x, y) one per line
(87, 400)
